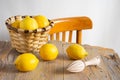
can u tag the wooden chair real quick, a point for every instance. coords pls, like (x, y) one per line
(70, 24)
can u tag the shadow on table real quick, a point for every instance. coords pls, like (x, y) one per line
(7, 68)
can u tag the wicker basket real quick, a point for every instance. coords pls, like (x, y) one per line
(27, 40)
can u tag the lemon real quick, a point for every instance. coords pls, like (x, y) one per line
(76, 51)
(42, 21)
(16, 24)
(28, 24)
(26, 62)
(48, 52)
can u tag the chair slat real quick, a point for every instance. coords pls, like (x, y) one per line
(57, 36)
(52, 37)
(70, 24)
(79, 36)
(70, 36)
(63, 36)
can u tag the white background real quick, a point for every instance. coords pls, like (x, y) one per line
(105, 15)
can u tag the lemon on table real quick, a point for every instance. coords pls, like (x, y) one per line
(76, 51)
(48, 52)
(28, 24)
(42, 21)
(26, 62)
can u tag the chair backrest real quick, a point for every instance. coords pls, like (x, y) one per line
(70, 24)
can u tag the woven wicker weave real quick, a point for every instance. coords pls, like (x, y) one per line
(27, 40)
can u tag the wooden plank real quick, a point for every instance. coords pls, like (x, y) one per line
(58, 67)
(56, 70)
(69, 75)
(7, 56)
(46, 70)
(104, 72)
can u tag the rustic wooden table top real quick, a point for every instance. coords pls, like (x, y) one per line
(56, 70)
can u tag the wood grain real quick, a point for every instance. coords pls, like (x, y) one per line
(79, 36)
(56, 70)
(52, 37)
(70, 36)
(71, 24)
(63, 36)
(57, 36)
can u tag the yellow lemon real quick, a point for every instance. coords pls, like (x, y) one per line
(48, 52)
(76, 51)
(26, 62)
(42, 21)
(16, 24)
(28, 24)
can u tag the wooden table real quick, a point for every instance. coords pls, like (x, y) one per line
(56, 70)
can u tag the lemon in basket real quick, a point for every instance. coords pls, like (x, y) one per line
(48, 52)
(16, 24)
(76, 51)
(26, 62)
(28, 24)
(42, 21)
